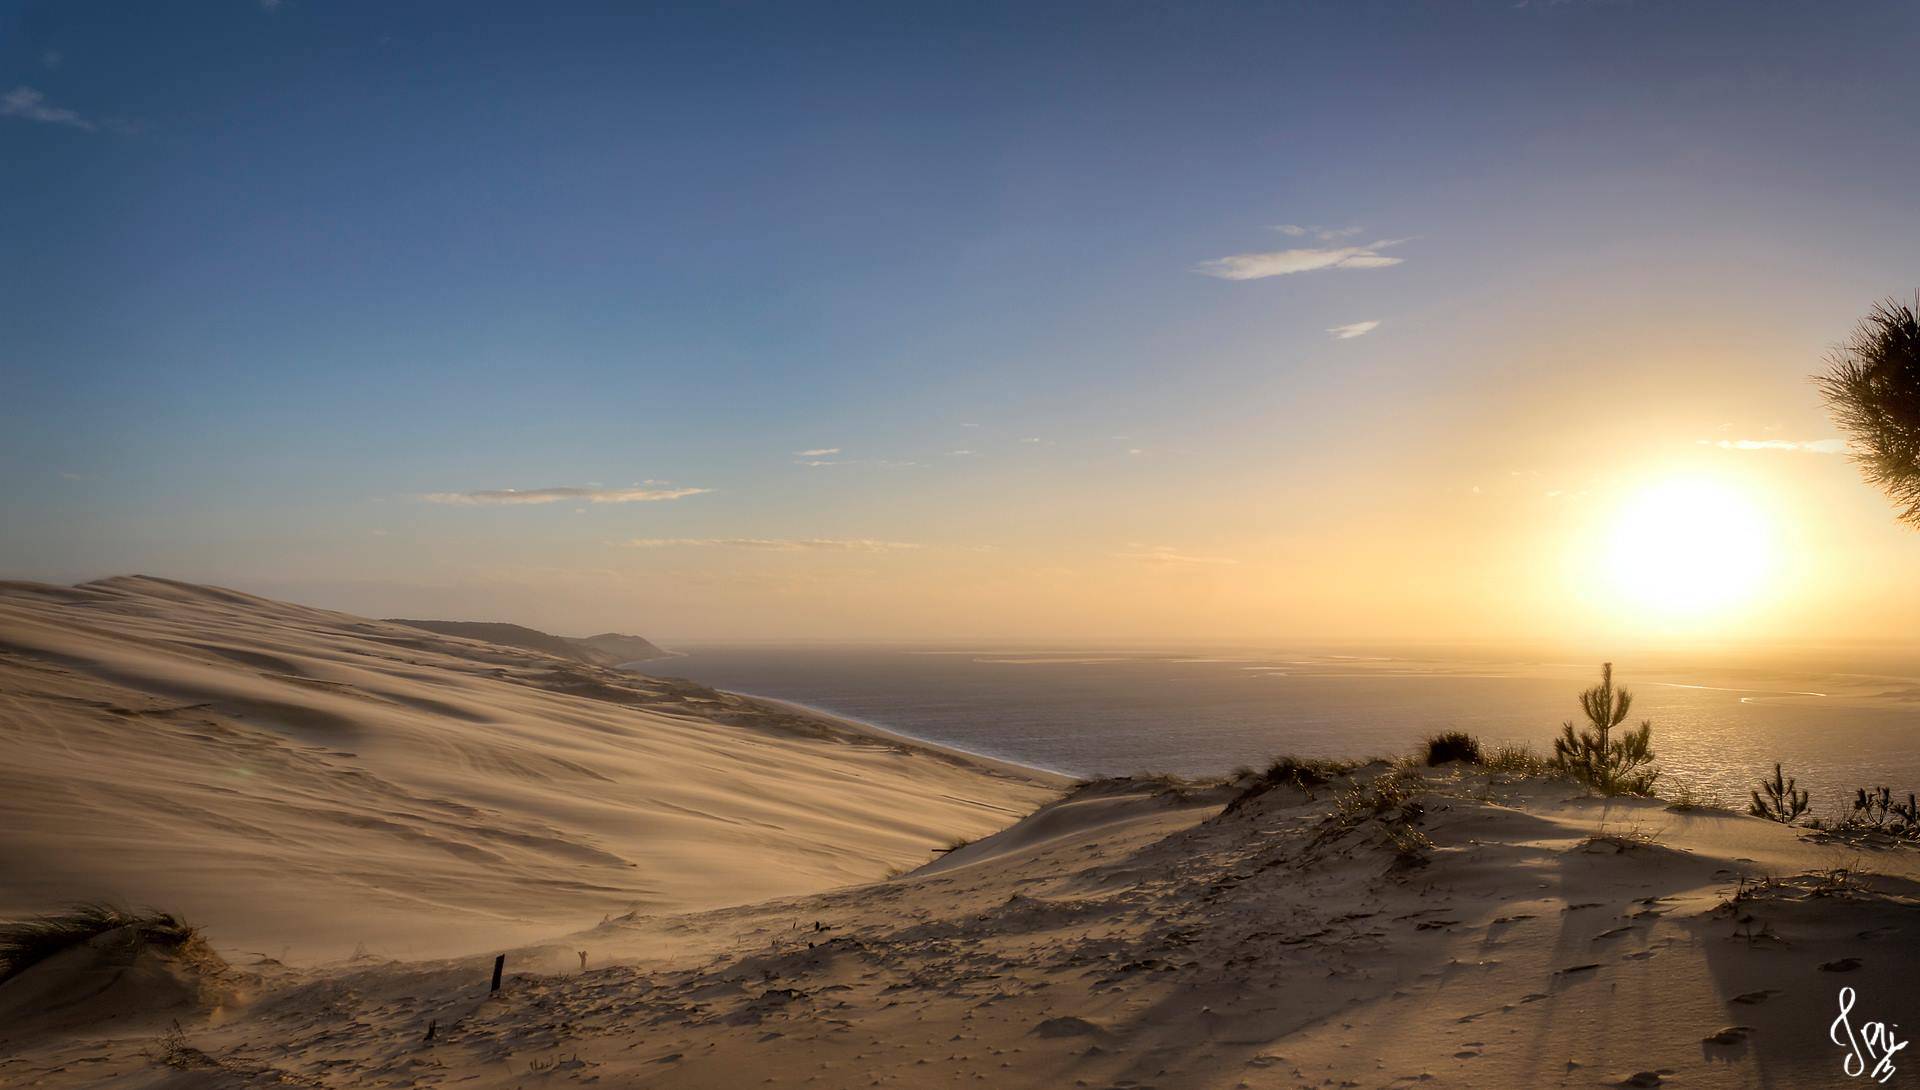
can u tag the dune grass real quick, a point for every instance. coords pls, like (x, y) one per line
(26, 943)
(1454, 745)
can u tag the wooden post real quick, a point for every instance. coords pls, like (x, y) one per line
(499, 963)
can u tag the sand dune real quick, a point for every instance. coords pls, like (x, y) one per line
(305, 783)
(1140, 934)
(295, 777)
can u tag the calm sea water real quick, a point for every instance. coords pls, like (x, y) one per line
(1837, 719)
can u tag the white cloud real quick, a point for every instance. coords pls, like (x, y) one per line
(861, 545)
(959, 453)
(1163, 554)
(1809, 446)
(506, 496)
(30, 105)
(818, 452)
(1353, 329)
(1324, 234)
(1285, 262)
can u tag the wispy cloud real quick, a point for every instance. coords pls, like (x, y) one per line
(817, 452)
(1163, 554)
(30, 105)
(506, 496)
(1324, 234)
(776, 544)
(1352, 329)
(1306, 259)
(1808, 446)
(815, 463)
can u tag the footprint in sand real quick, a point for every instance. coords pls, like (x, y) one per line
(1761, 996)
(1842, 965)
(1731, 1035)
(1065, 1026)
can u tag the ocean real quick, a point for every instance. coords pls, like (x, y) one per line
(1837, 719)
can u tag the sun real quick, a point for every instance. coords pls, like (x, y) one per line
(1690, 547)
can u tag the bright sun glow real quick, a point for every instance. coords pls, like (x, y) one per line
(1690, 547)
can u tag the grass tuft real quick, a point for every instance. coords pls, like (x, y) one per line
(1453, 745)
(26, 943)
(1516, 759)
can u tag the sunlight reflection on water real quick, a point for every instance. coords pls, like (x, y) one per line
(1093, 712)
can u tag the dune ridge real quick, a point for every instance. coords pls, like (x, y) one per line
(605, 649)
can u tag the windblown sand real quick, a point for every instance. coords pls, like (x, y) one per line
(1392, 927)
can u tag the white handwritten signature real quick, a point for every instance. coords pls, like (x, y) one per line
(1874, 1043)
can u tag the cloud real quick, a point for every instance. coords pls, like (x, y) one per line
(1285, 262)
(505, 496)
(1162, 554)
(1353, 329)
(30, 105)
(1810, 446)
(818, 462)
(791, 544)
(820, 452)
(1324, 234)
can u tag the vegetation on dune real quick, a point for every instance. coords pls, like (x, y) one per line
(1453, 745)
(1519, 760)
(1300, 773)
(1872, 387)
(26, 943)
(1781, 802)
(1877, 810)
(1616, 764)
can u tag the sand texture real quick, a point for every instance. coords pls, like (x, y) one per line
(304, 783)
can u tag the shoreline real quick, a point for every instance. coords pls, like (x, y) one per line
(1002, 765)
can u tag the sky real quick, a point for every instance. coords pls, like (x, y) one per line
(1119, 321)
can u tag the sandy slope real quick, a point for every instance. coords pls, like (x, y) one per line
(303, 783)
(1136, 935)
(270, 768)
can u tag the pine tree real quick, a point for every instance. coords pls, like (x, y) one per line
(1782, 804)
(1872, 386)
(1594, 756)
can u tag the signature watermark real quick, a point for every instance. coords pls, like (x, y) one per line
(1873, 1043)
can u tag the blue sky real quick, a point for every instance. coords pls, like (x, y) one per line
(276, 275)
